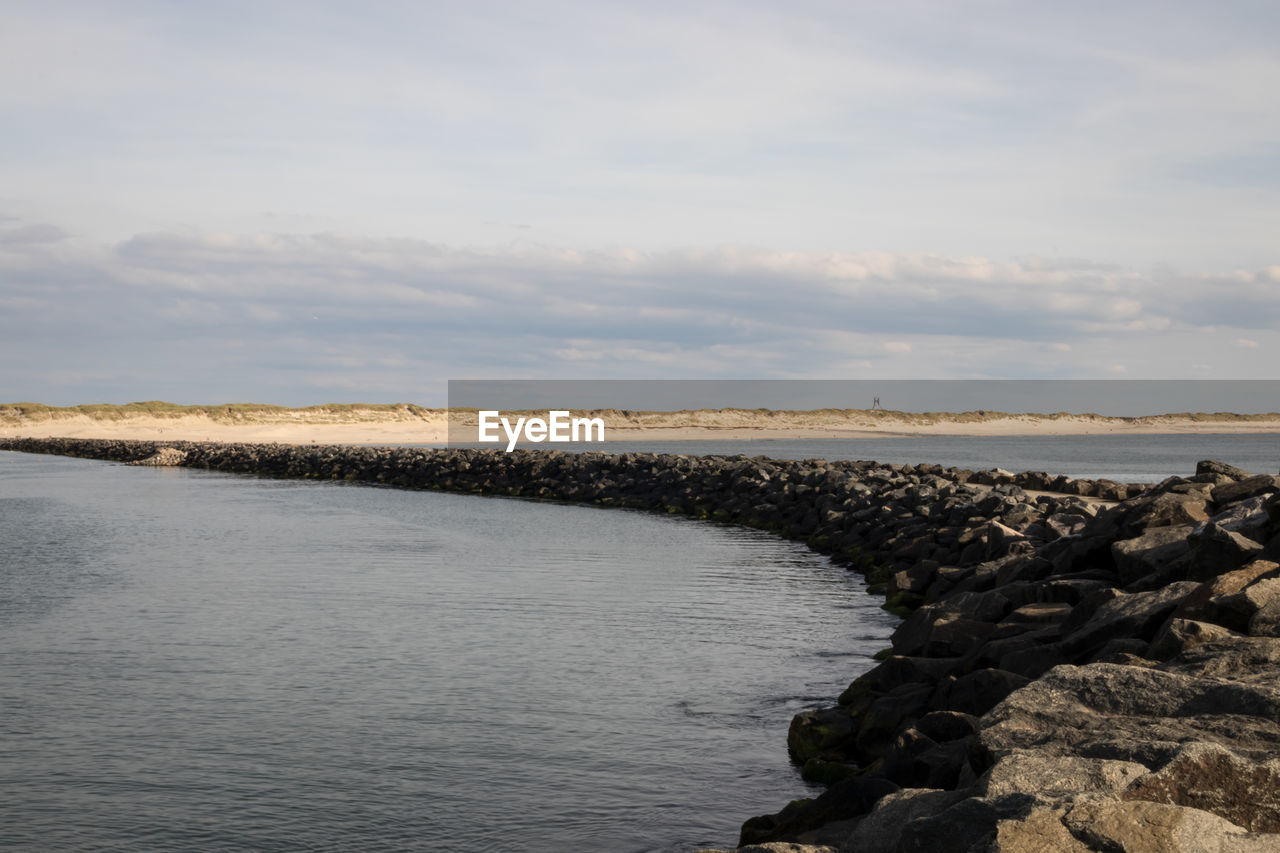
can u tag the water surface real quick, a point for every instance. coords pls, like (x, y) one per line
(196, 661)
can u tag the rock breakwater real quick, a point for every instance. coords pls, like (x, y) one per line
(1083, 665)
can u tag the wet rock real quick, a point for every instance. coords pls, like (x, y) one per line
(842, 802)
(821, 733)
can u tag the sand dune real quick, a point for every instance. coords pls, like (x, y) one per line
(408, 424)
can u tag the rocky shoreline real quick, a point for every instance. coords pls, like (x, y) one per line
(1083, 665)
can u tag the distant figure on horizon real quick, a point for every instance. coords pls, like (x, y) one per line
(875, 403)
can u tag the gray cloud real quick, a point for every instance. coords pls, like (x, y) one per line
(31, 234)
(302, 318)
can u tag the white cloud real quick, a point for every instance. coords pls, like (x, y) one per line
(1246, 343)
(897, 346)
(599, 124)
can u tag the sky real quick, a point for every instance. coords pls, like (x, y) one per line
(308, 202)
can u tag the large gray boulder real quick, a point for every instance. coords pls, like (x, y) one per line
(1216, 550)
(1133, 714)
(1213, 466)
(1212, 778)
(881, 831)
(1049, 774)
(1262, 484)
(1105, 823)
(1125, 616)
(1178, 635)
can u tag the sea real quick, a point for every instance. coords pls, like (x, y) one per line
(199, 661)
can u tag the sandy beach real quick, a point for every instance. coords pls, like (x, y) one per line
(407, 424)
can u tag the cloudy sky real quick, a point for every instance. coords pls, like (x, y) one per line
(303, 202)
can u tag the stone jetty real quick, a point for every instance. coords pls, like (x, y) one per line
(1082, 665)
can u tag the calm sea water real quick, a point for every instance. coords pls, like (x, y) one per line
(1124, 458)
(195, 661)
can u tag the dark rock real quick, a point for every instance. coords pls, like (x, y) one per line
(1170, 509)
(1037, 613)
(1129, 651)
(1211, 466)
(1217, 550)
(1262, 484)
(977, 692)
(897, 670)
(1178, 635)
(1064, 524)
(885, 716)
(1136, 615)
(968, 825)
(881, 831)
(1248, 518)
(955, 635)
(943, 726)
(1154, 549)
(1266, 622)
(1242, 608)
(915, 579)
(849, 799)
(821, 733)
(1211, 602)
(1248, 660)
(1035, 661)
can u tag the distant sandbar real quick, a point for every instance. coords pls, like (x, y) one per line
(410, 424)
